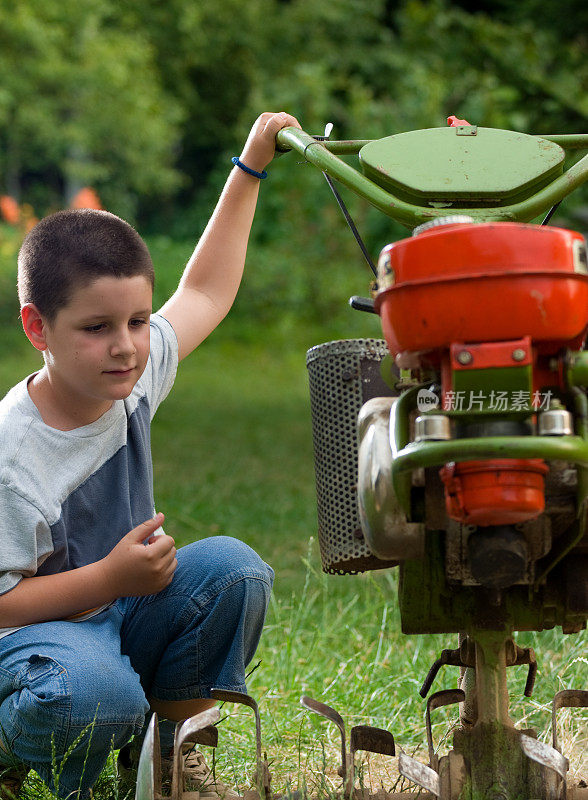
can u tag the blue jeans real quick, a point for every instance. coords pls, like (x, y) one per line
(83, 685)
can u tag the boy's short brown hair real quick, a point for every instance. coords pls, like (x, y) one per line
(70, 249)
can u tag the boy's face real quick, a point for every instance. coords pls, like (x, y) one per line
(98, 344)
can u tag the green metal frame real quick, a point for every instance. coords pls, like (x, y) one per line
(323, 155)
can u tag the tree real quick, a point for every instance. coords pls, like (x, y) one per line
(81, 102)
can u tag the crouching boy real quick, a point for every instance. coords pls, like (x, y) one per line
(101, 620)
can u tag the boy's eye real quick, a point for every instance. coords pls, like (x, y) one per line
(94, 328)
(136, 323)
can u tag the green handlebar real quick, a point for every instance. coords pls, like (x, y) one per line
(317, 154)
(323, 155)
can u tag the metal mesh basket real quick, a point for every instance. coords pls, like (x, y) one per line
(343, 375)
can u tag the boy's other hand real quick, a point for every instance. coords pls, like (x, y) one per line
(261, 144)
(141, 563)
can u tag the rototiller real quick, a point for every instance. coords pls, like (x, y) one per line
(457, 447)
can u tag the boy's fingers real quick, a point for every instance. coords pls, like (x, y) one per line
(281, 120)
(147, 528)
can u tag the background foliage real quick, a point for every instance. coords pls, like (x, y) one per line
(147, 101)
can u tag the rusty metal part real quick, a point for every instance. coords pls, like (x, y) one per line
(464, 656)
(498, 556)
(491, 692)
(567, 698)
(346, 768)
(418, 773)
(468, 710)
(497, 764)
(453, 775)
(544, 754)
(262, 776)
(188, 732)
(368, 739)
(526, 656)
(362, 737)
(149, 767)
(371, 740)
(445, 697)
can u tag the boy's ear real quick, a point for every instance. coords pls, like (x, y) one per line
(34, 325)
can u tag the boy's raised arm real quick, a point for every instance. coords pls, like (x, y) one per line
(211, 279)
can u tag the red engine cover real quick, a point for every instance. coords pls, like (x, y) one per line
(484, 282)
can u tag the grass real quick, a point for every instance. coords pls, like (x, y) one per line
(233, 454)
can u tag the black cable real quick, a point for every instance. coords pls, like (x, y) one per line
(551, 212)
(351, 224)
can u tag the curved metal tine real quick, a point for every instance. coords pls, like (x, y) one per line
(446, 697)
(544, 754)
(185, 731)
(149, 768)
(207, 736)
(372, 740)
(567, 698)
(333, 716)
(263, 776)
(246, 700)
(200, 723)
(418, 773)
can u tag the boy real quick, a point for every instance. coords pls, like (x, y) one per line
(101, 620)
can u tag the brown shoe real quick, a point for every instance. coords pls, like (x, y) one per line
(198, 780)
(11, 781)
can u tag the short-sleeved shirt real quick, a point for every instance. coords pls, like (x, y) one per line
(68, 497)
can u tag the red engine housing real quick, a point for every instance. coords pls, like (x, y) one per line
(483, 283)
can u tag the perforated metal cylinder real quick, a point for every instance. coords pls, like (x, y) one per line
(343, 375)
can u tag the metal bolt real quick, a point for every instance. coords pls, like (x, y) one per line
(465, 357)
(519, 354)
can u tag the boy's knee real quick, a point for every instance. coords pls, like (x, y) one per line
(110, 697)
(222, 556)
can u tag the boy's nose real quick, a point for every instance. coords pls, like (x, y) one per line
(123, 344)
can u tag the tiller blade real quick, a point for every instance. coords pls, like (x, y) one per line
(262, 777)
(149, 768)
(198, 729)
(418, 773)
(362, 737)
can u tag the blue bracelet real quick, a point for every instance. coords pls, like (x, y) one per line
(248, 170)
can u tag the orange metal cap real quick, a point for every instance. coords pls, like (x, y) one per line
(499, 492)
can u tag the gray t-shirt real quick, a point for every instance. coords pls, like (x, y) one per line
(68, 497)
